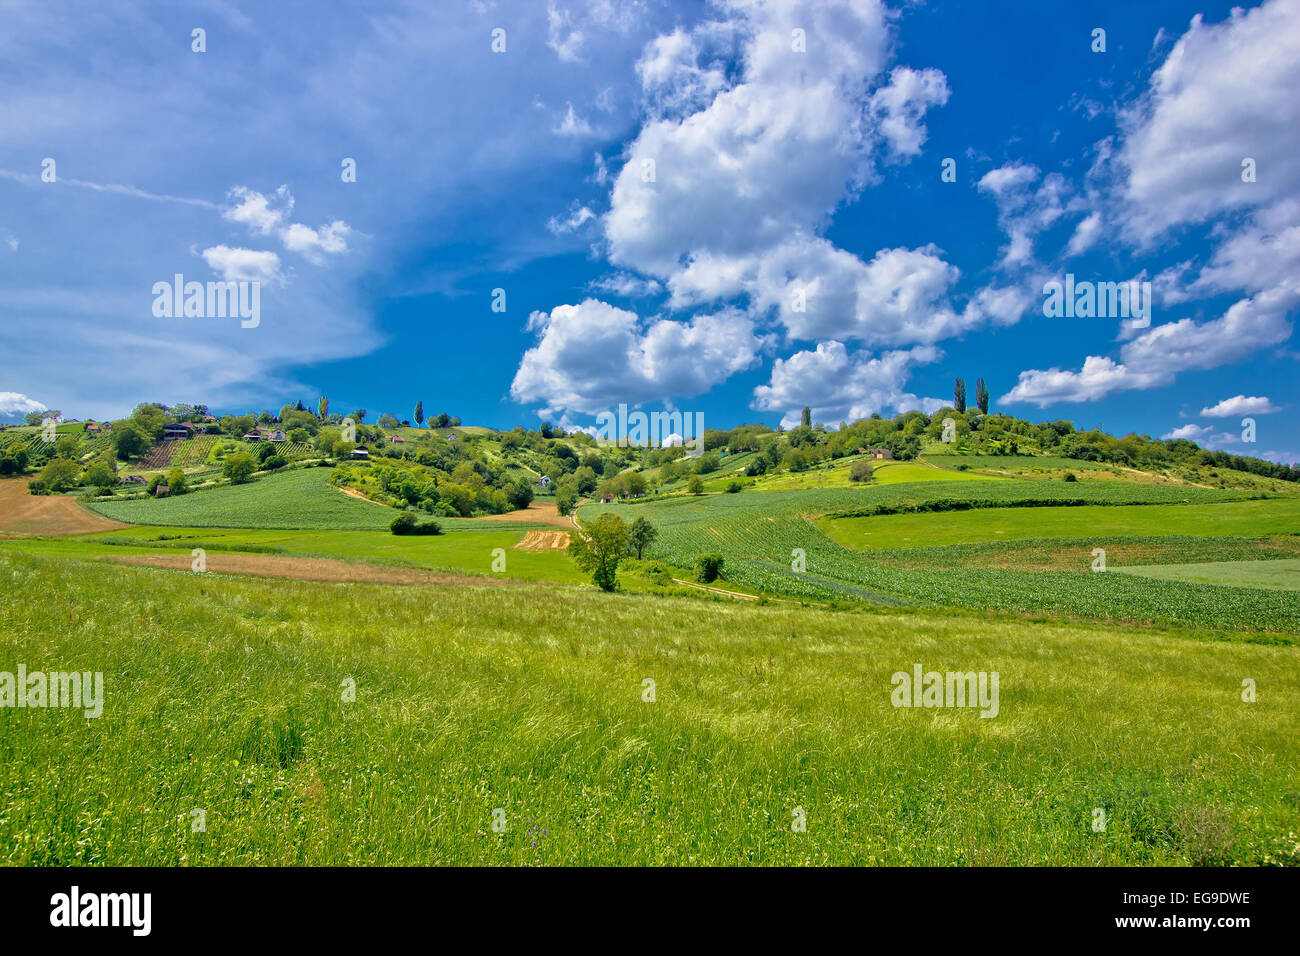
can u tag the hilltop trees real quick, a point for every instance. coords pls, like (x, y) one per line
(128, 442)
(981, 396)
(419, 413)
(323, 408)
(959, 396)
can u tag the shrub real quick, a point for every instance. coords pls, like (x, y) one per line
(1069, 476)
(37, 487)
(861, 471)
(406, 523)
(733, 487)
(708, 567)
(272, 462)
(176, 484)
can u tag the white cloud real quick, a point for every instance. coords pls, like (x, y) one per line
(243, 264)
(840, 386)
(573, 124)
(561, 36)
(1225, 92)
(16, 404)
(900, 107)
(626, 285)
(1203, 435)
(257, 211)
(1156, 356)
(577, 217)
(270, 215)
(1025, 210)
(1240, 405)
(311, 243)
(1086, 234)
(592, 356)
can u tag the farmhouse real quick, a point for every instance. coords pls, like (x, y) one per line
(265, 434)
(884, 453)
(361, 451)
(396, 440)
(179, 430)
(544, 481)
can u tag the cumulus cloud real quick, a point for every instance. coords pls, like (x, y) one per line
(572, 124)
(16, 404)
(592, 356)
(1240, 405)
(840, 386)
(236, 265)
(1027, 203)
(1156, 356)
(270, 215)
(1225, 93)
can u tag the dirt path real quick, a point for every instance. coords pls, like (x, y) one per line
(330, 570)
(24, 514)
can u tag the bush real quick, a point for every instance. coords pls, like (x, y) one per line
(861, 471)
(1069, 476)
(37, 487)
(733, 487)
(272, 462)
(708, 567)
(176, 484)
(406, 523)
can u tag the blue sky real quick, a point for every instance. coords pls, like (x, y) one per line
(796, 244)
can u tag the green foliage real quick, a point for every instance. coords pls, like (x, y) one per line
(708, 567)
(406, 523)
(129, 442)
(239, 467)
(861, 471)
(598, 546)
(641, 534)
(59, 475)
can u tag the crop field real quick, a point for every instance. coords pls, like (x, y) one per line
(475, 700)
(301, 498)
(880, 532)
(1282, 574)
(776, 549)
(883, 473)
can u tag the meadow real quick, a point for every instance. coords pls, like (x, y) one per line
(226, 696)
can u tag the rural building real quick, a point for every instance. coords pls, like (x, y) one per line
(265, 434)
(396, 440)
(606, 499)
(544, 481)
(179, 430)
(361, 451)
(885, 453)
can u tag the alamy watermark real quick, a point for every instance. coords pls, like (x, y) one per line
(213, 300)
(37, 689)
(924, 688)
(637, 429)
(1101, 300)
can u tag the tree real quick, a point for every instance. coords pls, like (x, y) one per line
(359, 415)
(641, 535)
(239, 467)
(708, 568)
(565, 499)
(66, 446)
(520, 493)
(99, 475)
(442, 421)
(59, 475)
(981, 396)
(323, 408)
(419, 413)
(861, 471)
(959, 396)
(176, 484)
(128, 442)
(695, 486)
(598, 546)
(806, 418)
(37, 418)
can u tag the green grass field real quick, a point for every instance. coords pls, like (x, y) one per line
(225, 695)
(1281, 575)
(470, 551)
(879, 532)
